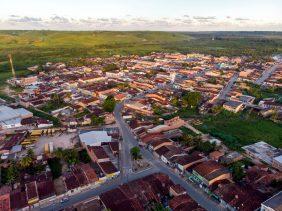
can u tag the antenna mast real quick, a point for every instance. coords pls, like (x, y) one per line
(12, 66)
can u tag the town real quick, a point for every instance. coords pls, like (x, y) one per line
(164, 131)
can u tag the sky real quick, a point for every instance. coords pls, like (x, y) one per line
(160, 15)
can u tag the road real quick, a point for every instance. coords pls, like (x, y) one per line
(130, 141)
(127, 175)
(223, 93)
(266, 74)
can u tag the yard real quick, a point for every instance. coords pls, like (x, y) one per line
(237, 130)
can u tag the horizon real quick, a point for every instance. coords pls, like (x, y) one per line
(148, 15)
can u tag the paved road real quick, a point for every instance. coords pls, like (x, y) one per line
(109, 185)
(158, 165)
(223, 93)
(127, 175)
(266, 74)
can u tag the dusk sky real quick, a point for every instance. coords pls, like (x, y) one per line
(167, 15)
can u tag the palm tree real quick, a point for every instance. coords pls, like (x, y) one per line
(59, 153)
(26, 162)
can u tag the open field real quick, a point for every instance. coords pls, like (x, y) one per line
(237, 130)
(37, 47)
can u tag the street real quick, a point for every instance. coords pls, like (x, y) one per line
(228, 87)
(266, 74)
(127, 175)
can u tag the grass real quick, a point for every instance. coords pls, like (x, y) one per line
(51, 106)
(237, 130)
(37, 47)
(37, 113)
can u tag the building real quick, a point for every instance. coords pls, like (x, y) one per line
(11, 118)
(233, 106)
(5, 198)
(210, 172)
(277, 162)
(273, 204)
(263, 152)
(94, 138)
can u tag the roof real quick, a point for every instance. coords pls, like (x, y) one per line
(18, 199)
(94, 137)
(70, 181)
(278, 159)
(275, 202)
(99, 152)
(114, 146)
(45, 189)
(31, 190)
(108, 167)
(233, 104)
(183, 201)
(210, 169)
(89, 172)
(187, 159)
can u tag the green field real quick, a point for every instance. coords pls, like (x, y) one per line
(37, 47)
(237, 130)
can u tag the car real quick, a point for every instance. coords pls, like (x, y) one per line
(65, 199)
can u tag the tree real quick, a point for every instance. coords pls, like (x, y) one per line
(191, 99)
(12, 174)
(59, 152)
(135, 153)
(109, 104)
(30, 153)
(110, 67)
(71, 156)
(84, 157)
(55, 166)
(95, 120)
(237, 171)
(157, 110)
(205, 146)
(26, 162)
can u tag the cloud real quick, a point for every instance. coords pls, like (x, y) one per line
(24, 19)
(181, 23)
(242, 19)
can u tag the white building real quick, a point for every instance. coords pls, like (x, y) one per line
(11, 118)
(94, 138)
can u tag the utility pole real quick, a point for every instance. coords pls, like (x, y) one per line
(12, 66)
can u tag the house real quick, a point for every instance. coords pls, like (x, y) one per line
(94, 138)
(168, 152)
(18, 200)
(31, 192)
(233, 106)
(184, 202)
(184, 162)
(176, 190)
(231, 158)
(139, 107)
(156, 144)
(210, 172)
(5, 198)
(215, 155)
(234, 197)
(170, 124)
(109, 169)
(89, 172)
(114, 147)
(97, 154)
(272, 204)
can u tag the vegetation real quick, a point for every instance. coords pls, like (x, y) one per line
(68, 155)
(43, 115)
(237, 169)
(83, 156)
(206, 147)
(56, 102)
(191, 99)
(110, 67)
(135, 153)
(237, 130)
(9, 175)
(97, 120)
(109, 104)
(55, 166)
